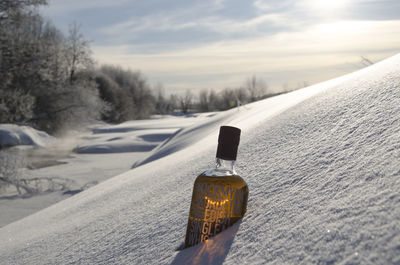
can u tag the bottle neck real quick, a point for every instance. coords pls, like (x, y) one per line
(225, 166)
(222, 168)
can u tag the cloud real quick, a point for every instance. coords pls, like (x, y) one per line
(61, 6)
(179, 22)
(218, 43)
(208, 21)
(318, 53)
(374, 10)
(215, 20)
(268, 5)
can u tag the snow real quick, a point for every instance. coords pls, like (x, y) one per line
(11, 135)
(103, 152)
(322, 165)
(133, 136)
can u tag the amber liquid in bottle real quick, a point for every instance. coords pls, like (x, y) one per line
(219, 200)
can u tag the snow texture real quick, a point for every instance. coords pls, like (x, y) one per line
(322, 165)
(12, 135)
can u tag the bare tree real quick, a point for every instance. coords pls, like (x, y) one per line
(162, 105)
(204, 104)
(78, 53)
(241, 95)
(173, 102)
(256, 87)
(185, 101)
(213, 100)
(228, 98)
(41, 71)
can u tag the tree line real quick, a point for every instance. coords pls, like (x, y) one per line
(50, 80)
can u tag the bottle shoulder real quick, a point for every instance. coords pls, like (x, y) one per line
(232, 180)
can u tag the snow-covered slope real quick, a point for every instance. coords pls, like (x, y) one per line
(322, 165)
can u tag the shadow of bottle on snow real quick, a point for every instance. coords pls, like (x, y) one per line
(212, 251)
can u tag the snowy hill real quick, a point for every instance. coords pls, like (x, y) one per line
(322, 165)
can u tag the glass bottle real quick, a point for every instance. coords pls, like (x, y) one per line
(220, 195)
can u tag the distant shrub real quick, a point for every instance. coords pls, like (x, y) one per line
(127, 93)
(225, 99)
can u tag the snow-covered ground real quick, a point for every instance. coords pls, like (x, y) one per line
(101, 152)
(322, 165)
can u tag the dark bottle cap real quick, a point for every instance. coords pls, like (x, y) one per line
(228, 142)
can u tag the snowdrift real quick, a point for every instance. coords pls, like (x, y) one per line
(322, 165)
(12, 135)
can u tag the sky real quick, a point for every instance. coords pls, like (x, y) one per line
(215, 44)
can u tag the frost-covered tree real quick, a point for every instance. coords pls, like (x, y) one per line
(19, 60)
(16, 106)
(14, 10)
(78, 53)
(41, 70)
(127, 91)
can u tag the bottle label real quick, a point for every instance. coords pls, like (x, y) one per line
(212, 210)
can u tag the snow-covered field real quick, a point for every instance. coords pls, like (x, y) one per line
(100, 152)
(322, 165)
